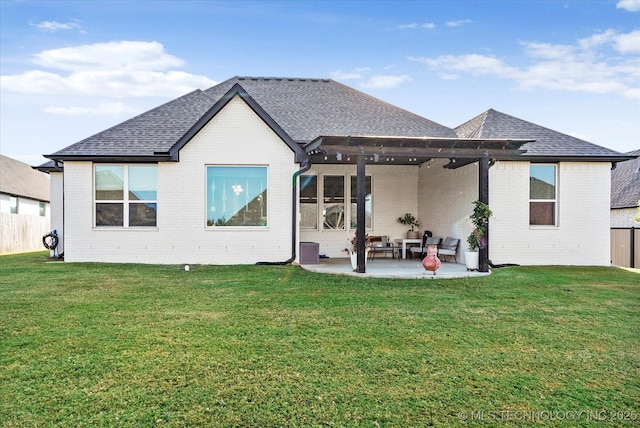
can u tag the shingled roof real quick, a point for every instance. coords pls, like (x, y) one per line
(625, 183)
(548, 144)
(19, 179)
(303, 108)
(144, 135)
(308, 108)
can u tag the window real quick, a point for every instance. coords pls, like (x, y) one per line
(367, 202)
(542, 195)
(42, 209)
(236, 196)
(309, 201)
(13, 205)
(333, 202)
(137, 206)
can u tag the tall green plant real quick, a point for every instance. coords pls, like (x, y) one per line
(479, 218)
(409, 220)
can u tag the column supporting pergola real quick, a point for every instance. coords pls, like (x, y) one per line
(412, 151)
(483, 196)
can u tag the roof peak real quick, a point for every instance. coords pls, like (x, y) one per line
(279, 79)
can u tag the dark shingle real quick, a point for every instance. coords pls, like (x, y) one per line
(549, 143)
(625, 183)
(304, 108)
(308, 108)
(154, 131)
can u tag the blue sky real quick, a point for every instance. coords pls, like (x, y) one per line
(70, 69)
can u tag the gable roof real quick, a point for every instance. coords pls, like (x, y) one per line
(309, 108)
(236, 90)
(143, 136)
(19, 179)
(301, 108)
(625, 183)
(548, 144)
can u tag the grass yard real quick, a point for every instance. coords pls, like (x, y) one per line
(138, 345)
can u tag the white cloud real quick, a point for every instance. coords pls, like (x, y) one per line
(123, 55)
(357, 73)
(100, 109)
(458, 23)
(386, 81)
(111, 70)
(601, 63)
(628, 43)
(413, 26)
(630, 5)
(53, 26)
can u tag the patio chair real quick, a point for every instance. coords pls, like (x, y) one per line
(427, 239)
(381, 244)
(449, 248)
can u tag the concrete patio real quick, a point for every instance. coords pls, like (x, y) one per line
(392, 268)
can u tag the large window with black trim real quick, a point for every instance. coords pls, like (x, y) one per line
(126, 195)
(324, 198)
(543, 195)
(236, 196)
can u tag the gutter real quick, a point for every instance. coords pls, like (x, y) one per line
(304, 167)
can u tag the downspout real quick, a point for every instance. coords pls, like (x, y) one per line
(304, 167)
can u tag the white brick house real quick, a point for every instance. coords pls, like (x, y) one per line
(243, 172)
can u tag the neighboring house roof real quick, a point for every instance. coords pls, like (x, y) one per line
(19, 179)
(548, 143)
(625, 183)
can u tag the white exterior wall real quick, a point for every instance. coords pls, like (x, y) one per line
(624, 217)
(235, 136)
(57, 208)
(395, 190)
(26, 206)
(446, 201)
(582, 235)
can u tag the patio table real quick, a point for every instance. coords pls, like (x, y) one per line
(404, 243)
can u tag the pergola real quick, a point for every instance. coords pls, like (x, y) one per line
(380, 150)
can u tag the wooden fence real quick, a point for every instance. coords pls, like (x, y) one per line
(625, 246)
(22, 232)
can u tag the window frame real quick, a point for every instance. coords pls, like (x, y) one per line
(126, 202)
(553, 200)
(349, 203)
(325, 203)
(210, 224)
(353, 201)
(316, 197)
(14, 205)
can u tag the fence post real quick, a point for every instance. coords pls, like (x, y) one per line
(632, 253)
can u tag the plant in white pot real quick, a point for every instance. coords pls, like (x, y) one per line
(479, 219)
(352, 249)
(409, 220)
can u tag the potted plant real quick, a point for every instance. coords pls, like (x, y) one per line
(479, 219)
(352, 249)
(409, 220)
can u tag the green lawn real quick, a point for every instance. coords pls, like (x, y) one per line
(136, 345)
